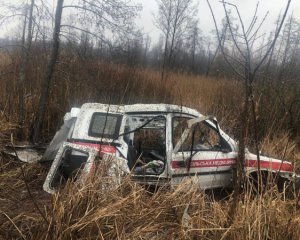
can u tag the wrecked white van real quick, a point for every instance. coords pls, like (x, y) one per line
(157, 143)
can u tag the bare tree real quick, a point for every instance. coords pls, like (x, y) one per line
(286, 76)
(174, 17)
(246, 66)
(97, 15)
(11, 13)
(193, 41)
(49, 72)
(25, 58)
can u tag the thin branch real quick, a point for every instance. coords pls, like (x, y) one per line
(254, 19)
(275, 38)
(98, 14)
(88, 32)
(221, 47)
(69, 36)
(251, 43)
(260, 25)
(46, 9)
(231, 32)
(248, 57)
(263, 46)
(27, 187)
(235, 60)
(5, 18)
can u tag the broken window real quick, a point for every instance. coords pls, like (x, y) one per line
(146, 144)
(202, 135)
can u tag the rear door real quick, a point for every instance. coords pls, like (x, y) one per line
(200, 153)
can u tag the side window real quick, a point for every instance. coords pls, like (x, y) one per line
(201, 137)
(105, 125)
(205, 137)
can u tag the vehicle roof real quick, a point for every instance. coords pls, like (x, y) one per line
(140, 108)
(102, 107)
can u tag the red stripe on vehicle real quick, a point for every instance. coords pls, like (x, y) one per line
(282, 166)
(206, 163)
(276, 166)
(98, 147)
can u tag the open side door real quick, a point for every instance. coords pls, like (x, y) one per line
(71, 162)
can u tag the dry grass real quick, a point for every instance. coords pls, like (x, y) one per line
(17, 210)
(76, 82)
(94, 211)
(6, 128)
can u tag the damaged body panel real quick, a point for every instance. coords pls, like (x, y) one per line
(61, 135)
(71, 161)
(156, 143)
(76, 162)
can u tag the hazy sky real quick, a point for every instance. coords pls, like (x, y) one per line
(246, 7)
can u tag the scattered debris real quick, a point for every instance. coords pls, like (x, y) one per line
(26, 152)
(26, 155)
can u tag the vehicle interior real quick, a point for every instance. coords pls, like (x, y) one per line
(146, 139)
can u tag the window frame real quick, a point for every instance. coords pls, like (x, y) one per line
(136, 129)
(216, 129)
(103, 135)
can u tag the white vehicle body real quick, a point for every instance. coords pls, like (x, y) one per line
(163, 144)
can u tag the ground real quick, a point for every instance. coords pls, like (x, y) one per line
(16, 203)
(130, 212)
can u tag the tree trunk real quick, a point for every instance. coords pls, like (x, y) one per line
(49, 73)
(167, 34)
(238, 174)
(21, 82)
(26, 45)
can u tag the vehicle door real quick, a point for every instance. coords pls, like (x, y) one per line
(200, 153)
